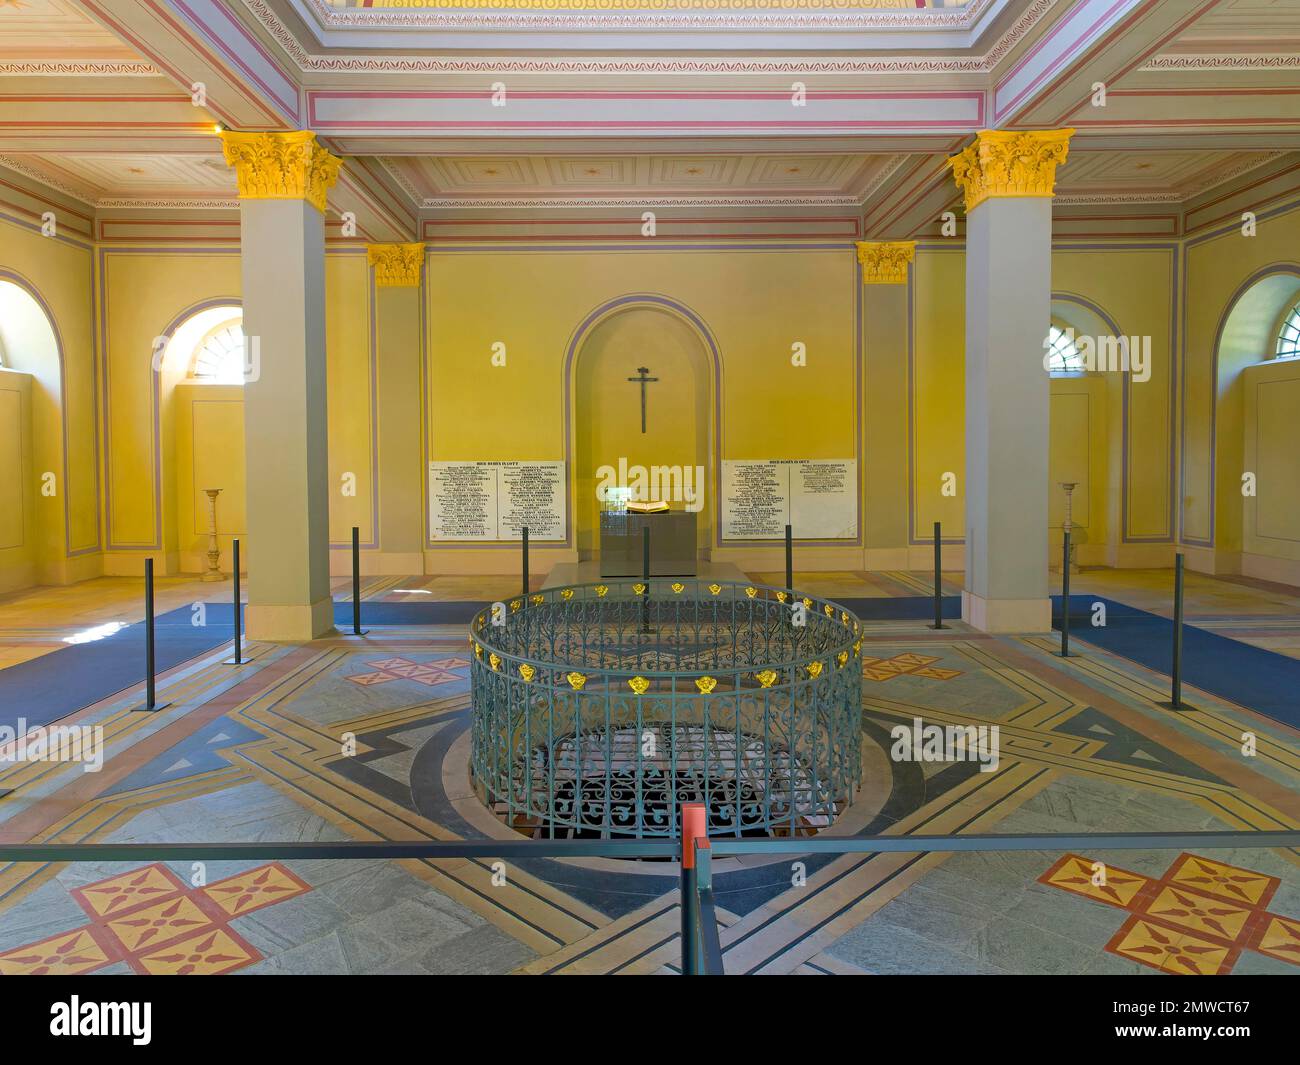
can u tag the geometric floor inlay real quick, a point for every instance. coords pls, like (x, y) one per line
(915, 665)
(429, 673)
(1195, 920)
(158, 924)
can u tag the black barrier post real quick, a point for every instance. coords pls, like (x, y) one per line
(1065, 599)
(151, 702)
(645, 578)
(240, 658)
(938, 577)
(1176, 689)
(357, 630)
(789, 557)
(525, 550)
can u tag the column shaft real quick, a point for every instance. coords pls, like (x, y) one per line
(1008, 306)
(285, 420)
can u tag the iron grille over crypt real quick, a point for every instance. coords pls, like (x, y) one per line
(598, 709)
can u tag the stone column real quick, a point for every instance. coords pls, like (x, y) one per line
(399, 349)
(884, 450)
(1008, 179)
(283, 179)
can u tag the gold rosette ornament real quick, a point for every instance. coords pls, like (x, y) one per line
(767, 677)
(751, 592)
(601, 589)
(814, 669)
(706, 684)
(677, 587)
(567, 594)
(576, 681)
(527, 672)
(494, 660)
(639, 685)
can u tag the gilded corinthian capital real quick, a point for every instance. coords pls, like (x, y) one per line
(1010, 163)
(396, 265)
(885, 262)
(281, 166)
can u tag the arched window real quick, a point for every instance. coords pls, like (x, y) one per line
(1064, 356)
(219, 357)
(1288, 337)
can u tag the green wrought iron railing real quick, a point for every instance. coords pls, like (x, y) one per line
(601, 709)
(701, 951)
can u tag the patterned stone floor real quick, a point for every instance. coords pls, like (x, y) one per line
(258, 753)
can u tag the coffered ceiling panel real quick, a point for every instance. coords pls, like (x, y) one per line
(94, 177)
(34, 34)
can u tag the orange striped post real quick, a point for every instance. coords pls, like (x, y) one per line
(695, 826)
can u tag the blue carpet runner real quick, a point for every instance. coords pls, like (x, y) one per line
(1263, 681)
(57, 684)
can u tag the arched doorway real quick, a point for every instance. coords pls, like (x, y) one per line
(671, 459)
(1252, 427)
(200, 378)
(34, 504)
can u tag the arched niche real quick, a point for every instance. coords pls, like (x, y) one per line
(33, 439)
(199, 439)
(606, 350)
(1246, 336)
(1086, 443)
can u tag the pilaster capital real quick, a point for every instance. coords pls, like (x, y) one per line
(885, 262)
(1010, 163)
(396, 265)
(281, 166)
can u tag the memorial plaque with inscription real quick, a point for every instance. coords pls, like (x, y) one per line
(486, 501)
(818, 497)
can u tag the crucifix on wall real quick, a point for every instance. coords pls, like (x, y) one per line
(643, 380)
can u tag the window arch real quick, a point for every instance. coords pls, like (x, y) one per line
(206, 345)
(1288, 337)
(218, 358)
(1063, 355)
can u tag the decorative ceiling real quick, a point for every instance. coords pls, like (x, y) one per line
(117, 103)
(832, 178)
(49, 36)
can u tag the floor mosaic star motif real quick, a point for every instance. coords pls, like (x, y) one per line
(384, 670)
(882, 669)
(1195, 920)
(158, 925)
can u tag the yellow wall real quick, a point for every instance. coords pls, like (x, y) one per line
(1214, 403)
(154, 428)
(903, 420)
(62, 405)
(209, 454)
(18, 485)
(755, 304)
(1272, 515)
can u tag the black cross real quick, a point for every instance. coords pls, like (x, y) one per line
(644, 380)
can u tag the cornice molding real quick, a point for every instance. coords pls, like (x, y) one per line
(85, 68)
(1223, 62)
(178, 203)
(413, 64)
(19, 167)
(498, 203)
(648, 15)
